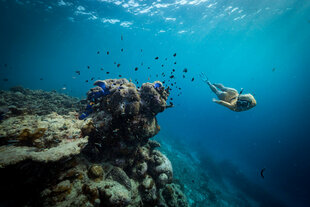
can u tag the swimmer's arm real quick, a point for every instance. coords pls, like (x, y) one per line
(223, 103)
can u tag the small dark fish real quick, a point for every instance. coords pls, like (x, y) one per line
(148, 67)
(156, 58)
(88, 67)
(86, 81)
(156, 75)
(165, 58)
(193, 181)
(179, 88)
(98, 52)
(162, 65)
(262, 173)
(171, 84)
(183, 76)
(5, 79)
(141, 50)
(92, 78)
(119, 75)
(171, 103)
(41, 78)
(122, 37)
(193, 79)
(101, 68)
(136, 68)
(273, 69)
(114, 62)
(108, 52)
(175, 63)
(118, 65)
(107, 72)
(78, 72)
(122, 50)
(163, 82)
(172, 76)
(171, 99)
(141, 63)
(173, 70)
(185, 70)
(174, 54)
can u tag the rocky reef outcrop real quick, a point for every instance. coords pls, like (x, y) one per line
(20, 101)
(106, 160)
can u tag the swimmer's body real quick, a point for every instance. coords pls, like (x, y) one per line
(230, 97)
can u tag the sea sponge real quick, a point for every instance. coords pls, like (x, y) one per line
(148, 190)
(95, 171)
(140, 169)
(153, 144)
(27, 138)
(118, 175)
(161, 167)
(114, 194)
(154, 99)
(91, 192)
(124, 99)
(87, 127)
(172, 196)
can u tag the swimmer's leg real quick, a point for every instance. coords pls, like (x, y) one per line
(231, 92)
(221, 86)
(213, 88)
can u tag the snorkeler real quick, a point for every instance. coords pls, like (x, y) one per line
(229, 97)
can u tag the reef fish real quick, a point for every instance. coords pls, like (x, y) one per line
(262, 173)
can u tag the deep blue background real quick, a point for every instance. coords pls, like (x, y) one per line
(41, 42)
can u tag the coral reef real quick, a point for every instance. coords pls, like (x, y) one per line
(105, 160)
(40, 138)
(20, 101)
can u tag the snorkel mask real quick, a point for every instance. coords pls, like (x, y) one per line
(245, 102)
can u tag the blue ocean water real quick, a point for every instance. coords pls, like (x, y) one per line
(261, 46)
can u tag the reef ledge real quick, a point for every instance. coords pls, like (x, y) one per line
(108, 159)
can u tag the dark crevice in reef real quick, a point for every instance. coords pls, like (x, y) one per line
(106, 160)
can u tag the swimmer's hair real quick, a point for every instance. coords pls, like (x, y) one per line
(248, 97)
